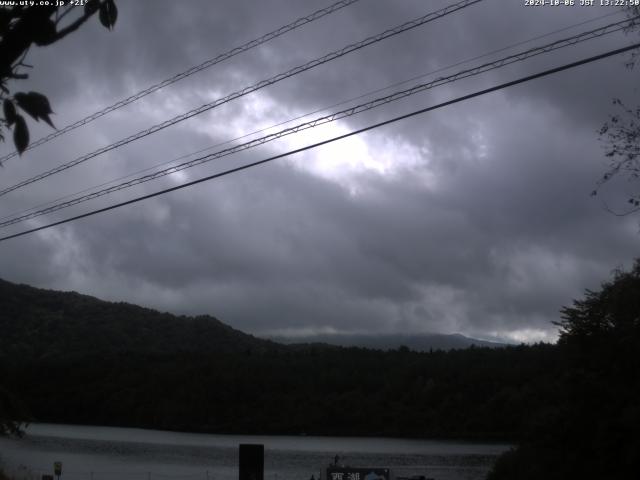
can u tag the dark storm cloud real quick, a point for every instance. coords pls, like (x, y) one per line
(480, 222)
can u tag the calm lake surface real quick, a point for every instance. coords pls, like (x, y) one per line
(102, 453)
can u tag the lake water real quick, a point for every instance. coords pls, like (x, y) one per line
(105, 453)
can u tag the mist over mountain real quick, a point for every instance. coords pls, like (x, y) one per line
(107, 363)
(418, 342)
(39, 323)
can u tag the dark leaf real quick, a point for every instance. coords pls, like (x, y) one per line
(20, 134)
(35, 104)
(6, 16)
(5, 19)
(48, 120)
(108, 14)
(9, 111)
(46, 33)
(91, 7)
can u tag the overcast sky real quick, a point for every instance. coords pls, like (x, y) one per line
(474, 218)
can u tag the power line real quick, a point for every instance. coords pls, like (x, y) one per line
(298, 117)
(333, 139)
(343, 102)
(187, 73)
(245, 91)
(517, 57)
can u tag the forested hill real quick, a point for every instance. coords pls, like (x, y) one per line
(37, 323)
(63, 356)
(573, 406)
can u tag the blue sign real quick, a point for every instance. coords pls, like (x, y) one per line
(360, 473)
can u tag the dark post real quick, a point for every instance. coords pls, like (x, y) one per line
(57, 469)
(251, 462)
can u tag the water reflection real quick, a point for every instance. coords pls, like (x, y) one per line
(97, 453)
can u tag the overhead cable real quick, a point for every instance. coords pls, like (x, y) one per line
(298, 117)
(331, 140)
(245, 91)
(517, 57)
(187, 73)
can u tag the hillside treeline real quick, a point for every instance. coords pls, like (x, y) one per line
(573, 408)
(474, 393)
(592, 426)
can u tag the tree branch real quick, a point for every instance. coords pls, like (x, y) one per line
(617, 214)
(72, 27)
(64, 14)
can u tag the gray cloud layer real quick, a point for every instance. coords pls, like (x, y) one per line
(475, 218)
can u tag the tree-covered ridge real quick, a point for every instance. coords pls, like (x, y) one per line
(73, 358)
(41, 324)
(592, 430)
(573, 407)
(475, 393)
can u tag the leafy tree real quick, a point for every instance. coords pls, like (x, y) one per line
(614, 310)
(621, 135)
(77, 359)
(12, 414)
(593, 431)
(20, 28)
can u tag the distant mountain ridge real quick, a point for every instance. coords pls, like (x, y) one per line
(38, 323)
(417, 342)
(71, 358)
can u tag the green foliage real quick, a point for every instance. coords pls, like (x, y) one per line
(593, 431)
(108, 14)
(13, 414)
(484, 393)
(21, 27)
(76, 359)
(20, 134)
(621, 134)
(573, 406)
(612, 311)
(41, 324)
(35, 104)
(10, 114)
